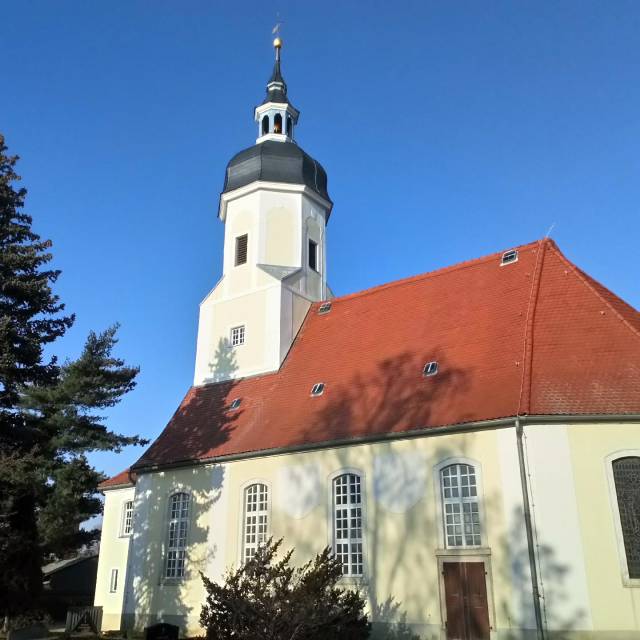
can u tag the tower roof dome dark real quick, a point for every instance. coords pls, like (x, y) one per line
(274, 161)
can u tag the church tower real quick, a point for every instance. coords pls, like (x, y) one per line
(275, 208)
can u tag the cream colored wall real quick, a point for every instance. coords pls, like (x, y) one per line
(114, 551)
(614, 606)
(573, 513)
(271, 305)
(403, 523)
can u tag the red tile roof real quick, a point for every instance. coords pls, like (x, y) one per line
(535, 337)
(126, 478)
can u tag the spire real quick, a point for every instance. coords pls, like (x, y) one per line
(276, 116)
(276, 87)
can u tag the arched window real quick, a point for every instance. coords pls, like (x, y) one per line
(265, 125)
(289, 126)
(626, 476)
(347, 523)
(177, 535)
(277, 123)
(460, 507)
(256, 519)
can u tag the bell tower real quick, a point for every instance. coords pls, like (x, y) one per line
(275, 208)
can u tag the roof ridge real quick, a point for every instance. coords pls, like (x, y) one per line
(527, 356)
(586, 280)
(429, 274)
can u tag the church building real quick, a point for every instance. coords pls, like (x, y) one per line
(467, 441)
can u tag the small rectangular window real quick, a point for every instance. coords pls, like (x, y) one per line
(127, 518)
(113, 582)
(430, 369)
(313, 255)
(317, 389)
(509, 256)
(237, 336)
(241, 249)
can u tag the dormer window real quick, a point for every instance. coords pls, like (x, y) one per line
(508, 257)
(317, 389)
(430, 369)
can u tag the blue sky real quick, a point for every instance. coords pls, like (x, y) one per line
(448, 130)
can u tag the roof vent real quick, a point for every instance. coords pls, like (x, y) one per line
(325, 307)
(235, 403)
(430, 369)
(317, 389)
(508, 257)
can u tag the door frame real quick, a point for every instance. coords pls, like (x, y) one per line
(466, 554)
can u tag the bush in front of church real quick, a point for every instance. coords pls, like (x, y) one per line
(268, 598)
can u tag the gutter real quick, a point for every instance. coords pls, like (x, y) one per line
(529, 529)
(420, 432)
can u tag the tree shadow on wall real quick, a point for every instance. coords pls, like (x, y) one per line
(151, 596)
(400, 500)
(224, 364)
(204, 420)
(555, 578)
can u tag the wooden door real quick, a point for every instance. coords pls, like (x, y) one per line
(465, 589)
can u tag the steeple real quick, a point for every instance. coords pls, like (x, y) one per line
(276, 116)
(276, 87)
(275, 207)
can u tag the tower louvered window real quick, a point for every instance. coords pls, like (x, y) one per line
(348, 523)
(242, 242)
(626, 475)
(177, 535)
(256, 519)
(460, 506)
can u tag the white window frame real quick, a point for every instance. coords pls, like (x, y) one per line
(126, 519)
(182, 560)
(440, 504)
(242, 547)
(113, 581)
(242, 335)
(617, 525)
(333, 540)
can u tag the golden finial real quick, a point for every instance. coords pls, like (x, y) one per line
(277, 43)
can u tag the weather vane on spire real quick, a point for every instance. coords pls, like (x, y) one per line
(277, 41)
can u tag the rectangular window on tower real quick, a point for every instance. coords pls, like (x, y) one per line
(241, 249)
(313, 255)
(237, 336)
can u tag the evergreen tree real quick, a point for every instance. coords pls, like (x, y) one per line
(30, 318)
(50, 415)
(269, 599)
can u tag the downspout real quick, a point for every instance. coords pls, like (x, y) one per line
(529, 529)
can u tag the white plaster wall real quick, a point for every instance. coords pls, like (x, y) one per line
(279, 223)
(557, 527)
(114, 554)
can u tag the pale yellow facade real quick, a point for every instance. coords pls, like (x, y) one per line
(578, 553)
(271, 292)
(114, 555)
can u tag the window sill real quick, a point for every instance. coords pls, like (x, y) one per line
(631, 583)
(464, 551)
(359, 581)
(172, 582)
